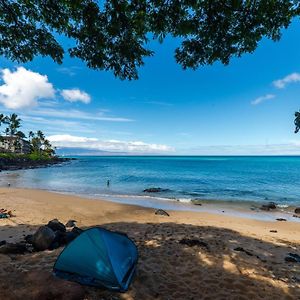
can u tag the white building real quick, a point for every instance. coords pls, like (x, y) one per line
(14, 144)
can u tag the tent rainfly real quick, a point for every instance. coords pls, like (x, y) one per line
(99, 257)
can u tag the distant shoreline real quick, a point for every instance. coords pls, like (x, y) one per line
(20, 163)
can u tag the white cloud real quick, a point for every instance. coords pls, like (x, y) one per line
(78, 114)
(160, 103)
(66, 140)
(74, 95)
(288, 148)
(281, 83)
(262, 99)
(23, 88)
(55, 126)
(71, 71)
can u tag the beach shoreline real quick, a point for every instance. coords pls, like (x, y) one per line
(253, 181)
(264, 271)
(242, 209)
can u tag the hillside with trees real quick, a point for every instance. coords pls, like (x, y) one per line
(19, 151)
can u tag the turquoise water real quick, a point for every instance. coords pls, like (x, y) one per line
(237, 179)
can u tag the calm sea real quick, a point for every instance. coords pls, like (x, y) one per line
(250, 179)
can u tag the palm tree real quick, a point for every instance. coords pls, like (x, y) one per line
(40, 135)
(48, 150)
(20, 134)
(14, 122)
(2, 119)
(31, 134)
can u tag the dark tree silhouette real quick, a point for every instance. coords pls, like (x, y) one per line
(297, 121)
(114, 35)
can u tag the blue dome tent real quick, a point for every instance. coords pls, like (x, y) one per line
(99, 257)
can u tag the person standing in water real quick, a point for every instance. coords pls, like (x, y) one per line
(108, 183)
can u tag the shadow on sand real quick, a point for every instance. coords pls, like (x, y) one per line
(167, 269)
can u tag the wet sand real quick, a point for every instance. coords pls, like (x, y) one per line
(167, 269)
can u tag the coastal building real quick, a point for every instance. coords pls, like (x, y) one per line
(14, 144)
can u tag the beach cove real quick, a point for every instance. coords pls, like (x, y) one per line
(237, 258)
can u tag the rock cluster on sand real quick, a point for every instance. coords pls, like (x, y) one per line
(43, 238)
(71, 223)
(50, 236)
(10, 248)
(161, 212)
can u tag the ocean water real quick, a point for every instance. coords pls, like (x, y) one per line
(228, 179)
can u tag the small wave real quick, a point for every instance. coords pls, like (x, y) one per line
(134, 197)
(282, 205)
(184, 200)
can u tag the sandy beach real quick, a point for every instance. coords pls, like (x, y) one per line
(166, 269)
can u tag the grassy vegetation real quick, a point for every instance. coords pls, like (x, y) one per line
(32, 156)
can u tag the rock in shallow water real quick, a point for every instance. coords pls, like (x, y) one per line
(297, 210)
(155, 190)
(268, 206)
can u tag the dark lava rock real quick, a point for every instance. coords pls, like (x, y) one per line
(281, 219)
(2, 242)
(43, 238)
(292, 257)
(10, 248)
(241, 249)
(268, 206)
(162, 212)
(77, 230)
(55, 225)
(274, 231)
(59, 240)
(193, 242)
(297, 210)
(155, 190)
(70, 236)
(71, 223)
(18, 163)
(29, 238)
(296, 216)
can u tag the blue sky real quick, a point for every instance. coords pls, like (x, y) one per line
(235, 109)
